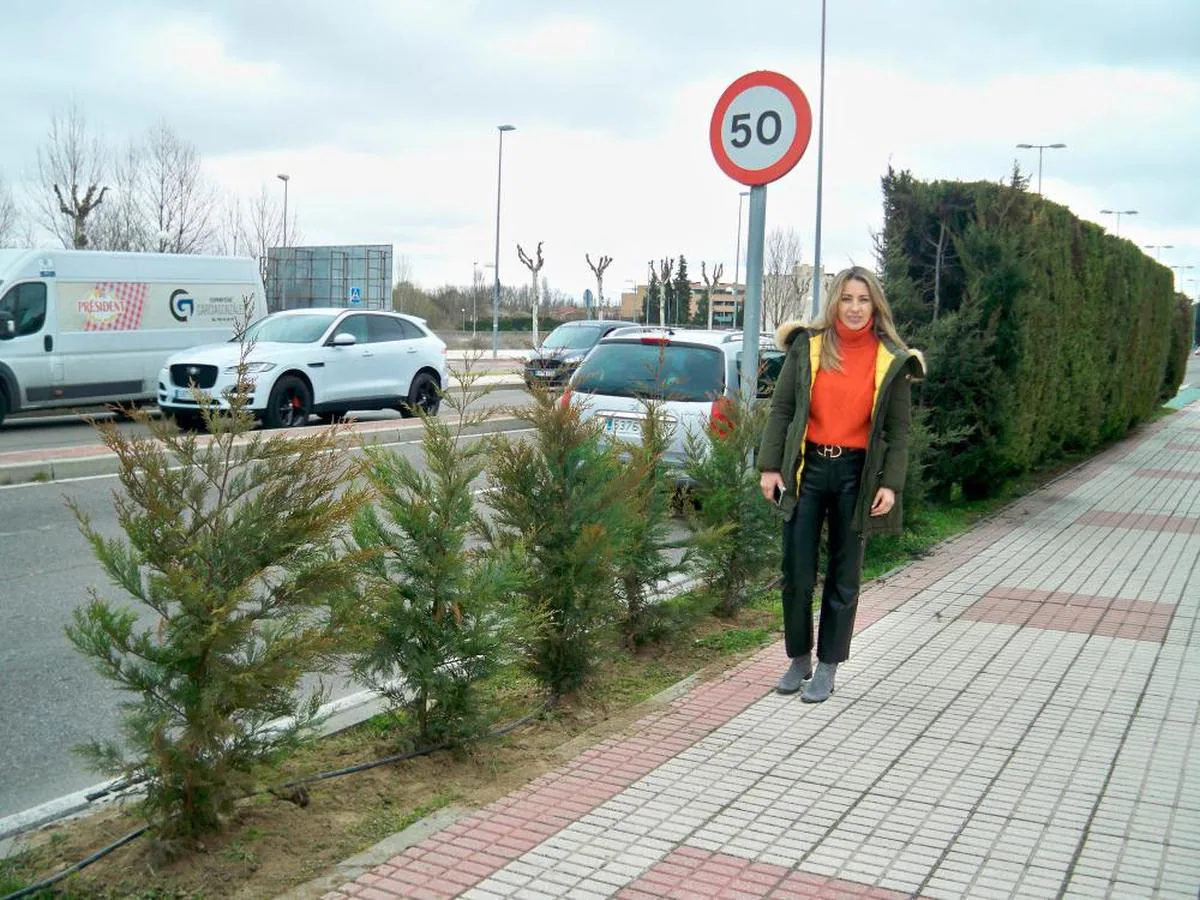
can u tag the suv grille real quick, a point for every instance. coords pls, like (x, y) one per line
(184, 374)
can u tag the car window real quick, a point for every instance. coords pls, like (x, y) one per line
(411, 331)
(571, 337)
(680, 372)
(385, 328)
(290, 329)
(770, 364)
(355, 325)
(26, 303)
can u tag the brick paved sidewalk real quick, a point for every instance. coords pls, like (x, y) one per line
(1018, 719)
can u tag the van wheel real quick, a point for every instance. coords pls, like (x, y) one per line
(423, 395)
(290, 405)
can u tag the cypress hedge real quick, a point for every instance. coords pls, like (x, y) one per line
(1044, 334)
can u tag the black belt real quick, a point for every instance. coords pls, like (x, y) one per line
(833, 451)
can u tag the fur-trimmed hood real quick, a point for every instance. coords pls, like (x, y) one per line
(786, 334)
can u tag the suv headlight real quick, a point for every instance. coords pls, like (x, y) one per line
(251, 368)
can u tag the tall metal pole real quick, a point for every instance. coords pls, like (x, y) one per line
(816, 291)
(752, 315)
(474, 297)
(496, 264)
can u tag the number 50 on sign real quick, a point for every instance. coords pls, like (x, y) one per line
(760, 128)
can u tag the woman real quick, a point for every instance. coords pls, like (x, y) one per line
(836, 449)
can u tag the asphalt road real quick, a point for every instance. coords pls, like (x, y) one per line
(50, 698)
(33, 432)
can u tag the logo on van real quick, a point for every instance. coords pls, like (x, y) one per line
(101, 307)
(182, 305)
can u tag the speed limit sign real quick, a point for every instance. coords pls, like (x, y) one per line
(760, 128)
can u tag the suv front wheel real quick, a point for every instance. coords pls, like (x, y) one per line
(290, 405)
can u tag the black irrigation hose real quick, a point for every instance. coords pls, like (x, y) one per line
(79, 866)
(411, 754)
(299, 782)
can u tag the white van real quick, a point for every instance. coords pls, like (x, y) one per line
(84, 327)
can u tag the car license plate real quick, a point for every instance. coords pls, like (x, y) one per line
(544, 373)
(622, 426)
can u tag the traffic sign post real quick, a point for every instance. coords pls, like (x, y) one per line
(759, 130)
(355, 296)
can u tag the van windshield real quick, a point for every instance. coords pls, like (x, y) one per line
(575, 338)
(679, 372)
(299, 329)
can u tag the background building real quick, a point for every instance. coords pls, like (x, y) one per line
(355, 275)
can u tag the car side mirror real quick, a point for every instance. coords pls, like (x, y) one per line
(344, 339)
(8, 326)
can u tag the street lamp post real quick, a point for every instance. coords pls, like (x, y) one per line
(283, 279)
(1159, 247)
(464, 312)
(1179, 269)
(496, 264)
(285, 179)
(1118, 213)
(1040, 148)
(737, 260)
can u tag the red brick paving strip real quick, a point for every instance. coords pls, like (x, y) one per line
(692, 874)
(1169, 473)
(1139, 620)
(1141, 521)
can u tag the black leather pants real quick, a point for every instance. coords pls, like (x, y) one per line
(828, 492)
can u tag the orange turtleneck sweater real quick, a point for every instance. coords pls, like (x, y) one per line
(841, 404)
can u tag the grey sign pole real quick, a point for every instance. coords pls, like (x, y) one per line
(752, 314)
(817, 284)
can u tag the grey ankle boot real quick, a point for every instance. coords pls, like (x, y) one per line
(798, 672)
(821, 686)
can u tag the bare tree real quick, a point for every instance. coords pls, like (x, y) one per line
(177, 199)
(10, 218)
(534, 268)
(229, 227)
(70, 174)
(709, 284)
(598, 271)
(264, 228)
(119, 223)
(787, 281)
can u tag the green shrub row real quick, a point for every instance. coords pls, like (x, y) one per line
(1044, 334)
(256, 559)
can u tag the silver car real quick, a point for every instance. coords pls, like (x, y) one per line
(692, 372)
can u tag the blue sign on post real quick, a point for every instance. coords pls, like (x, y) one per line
(355, 296)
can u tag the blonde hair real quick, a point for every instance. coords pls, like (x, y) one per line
(883, 323)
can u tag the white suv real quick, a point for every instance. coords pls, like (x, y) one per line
(303, 362)
(691, 371)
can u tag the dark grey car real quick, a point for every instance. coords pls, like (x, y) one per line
(553, 363)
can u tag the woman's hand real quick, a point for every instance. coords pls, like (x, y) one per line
(771, 482)
(885, 499)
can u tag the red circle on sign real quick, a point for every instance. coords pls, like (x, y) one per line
(785, 163)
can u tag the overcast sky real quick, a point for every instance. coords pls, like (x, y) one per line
(384, 113)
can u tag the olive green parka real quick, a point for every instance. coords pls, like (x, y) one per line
(886, 463)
